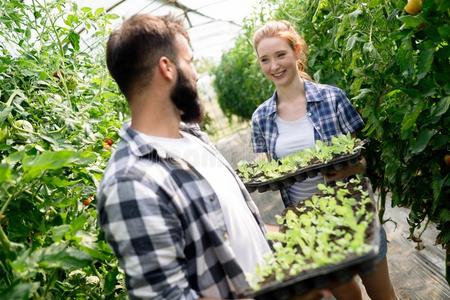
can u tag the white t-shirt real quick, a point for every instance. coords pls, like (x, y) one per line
(245, 235)
(294, 136)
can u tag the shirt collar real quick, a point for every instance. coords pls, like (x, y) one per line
(311, 91)
(140, 147)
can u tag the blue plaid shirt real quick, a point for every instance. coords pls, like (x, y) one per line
(328, 108)
(165, 223)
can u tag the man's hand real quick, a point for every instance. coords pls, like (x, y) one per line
(272, 228)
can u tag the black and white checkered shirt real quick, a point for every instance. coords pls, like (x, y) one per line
(165, 224)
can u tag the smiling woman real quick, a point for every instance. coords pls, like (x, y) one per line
(299, 113)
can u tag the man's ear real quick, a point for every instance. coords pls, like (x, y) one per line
(167, 68)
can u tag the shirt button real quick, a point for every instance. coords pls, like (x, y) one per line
(225, 236)
(309, 114)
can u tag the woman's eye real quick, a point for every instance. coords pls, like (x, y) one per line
(281, 54)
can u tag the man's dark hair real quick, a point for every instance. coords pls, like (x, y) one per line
(133, 50)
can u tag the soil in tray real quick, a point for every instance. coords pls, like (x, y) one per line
(362, 201)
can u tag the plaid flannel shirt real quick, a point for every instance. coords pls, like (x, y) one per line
(165, 224)
(328, 109)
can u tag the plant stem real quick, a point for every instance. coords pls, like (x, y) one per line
(6, 273)
(60, 47)
(19, 190)
(4, 241)
(382, 207)
(425, 227)
(97, 273)
(50, 284)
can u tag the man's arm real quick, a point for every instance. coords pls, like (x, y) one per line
(147, 238)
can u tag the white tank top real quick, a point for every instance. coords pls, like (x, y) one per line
(294, 136)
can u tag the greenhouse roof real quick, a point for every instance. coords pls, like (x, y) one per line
(213, 25)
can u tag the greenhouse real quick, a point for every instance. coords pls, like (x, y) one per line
(225, 149)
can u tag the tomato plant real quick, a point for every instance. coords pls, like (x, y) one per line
(57, 106)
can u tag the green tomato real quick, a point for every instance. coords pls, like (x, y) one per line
(72, 83)
(4, 133)
(22, 131)
(23, 125)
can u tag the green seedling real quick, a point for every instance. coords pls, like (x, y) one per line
(320, 231)
(321, 153)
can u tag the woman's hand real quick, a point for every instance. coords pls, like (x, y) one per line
(313, 295)
(358, 168)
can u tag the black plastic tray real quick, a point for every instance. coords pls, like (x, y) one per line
(325, 276)
(303, 173)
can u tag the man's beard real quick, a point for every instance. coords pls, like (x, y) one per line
(185, 97)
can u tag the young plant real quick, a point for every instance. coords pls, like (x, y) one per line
(321, 153)
(318, 232)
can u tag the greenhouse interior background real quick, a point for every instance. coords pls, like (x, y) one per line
(61, 114)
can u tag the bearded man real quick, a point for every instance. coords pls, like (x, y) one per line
(178, 218)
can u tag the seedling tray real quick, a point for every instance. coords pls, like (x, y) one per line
(299, 175)
(326, 276)
(320, 278)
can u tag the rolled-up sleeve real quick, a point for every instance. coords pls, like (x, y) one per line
(147, 237)
(259, 144)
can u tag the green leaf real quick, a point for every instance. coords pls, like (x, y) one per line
(444, 216)
(405, 57)
(375, 3)
(21, 291)
(78, 223)
(34, 166)
(67, 259)
(424, 62)
(59, 182)
(5, 113)
(444, 31)
(440, 141)
(437, 185)
(409, 120)
(95, 252)
(5, 173)
(74, 39)
(58, 232)
(411, 21)
(111, 281)
(422, 140)
(362, 94)
(437, 110)
(351, 42)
